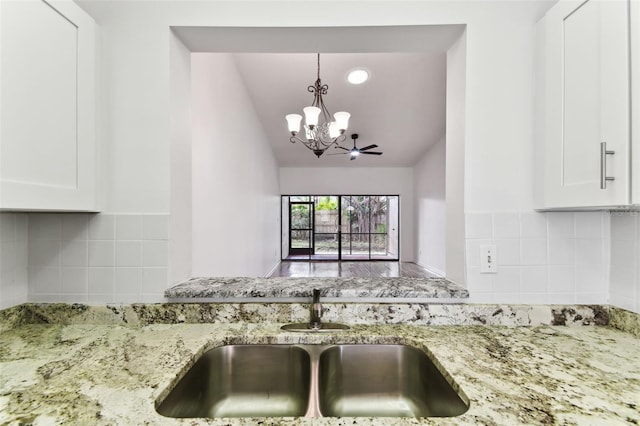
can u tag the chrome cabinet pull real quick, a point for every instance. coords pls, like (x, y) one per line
(603, 165)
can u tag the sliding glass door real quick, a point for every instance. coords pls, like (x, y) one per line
(347, 227)
(370, 227)
(326, 231)
(300, 228)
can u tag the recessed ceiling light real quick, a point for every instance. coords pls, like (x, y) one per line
(358, 76)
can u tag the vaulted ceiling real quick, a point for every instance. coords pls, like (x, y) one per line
(401, 108)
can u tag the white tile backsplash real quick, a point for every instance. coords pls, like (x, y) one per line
(534, 298)
(508, 252)
(479, 225)
(589, 224)
(554, 257)
(533, 225)
(14, 274)
(151, 277)
(533, 251)
(129, 253)
(75, 227)
(589, 278)
(624, 253)
(155, 227)
(558, 257)
(75, 253)
(129, 227)
(561, 225)
(45, 280)
(98, 258)
(624, 286)
(506, 225)
(101, 281)
(45, 226)
(562, 251)
(533, 279)
(45, 254)
(155, 253)
(507, 280)
(102, 227)
(128, 281)
(562, 279)
(102, 253)
(75, 281)
(473, 251)
(589, 252)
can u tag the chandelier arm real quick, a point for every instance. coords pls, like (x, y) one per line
(307, 144)
(294, 139)
(327, 142)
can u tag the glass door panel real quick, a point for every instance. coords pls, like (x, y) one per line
(393, 227)
(382, 226)
(326, 226)
(300, 228)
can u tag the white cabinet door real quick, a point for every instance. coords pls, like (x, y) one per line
(47, 109)
(634, 10)
(586, 79)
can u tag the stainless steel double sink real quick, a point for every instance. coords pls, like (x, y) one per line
(313, 381)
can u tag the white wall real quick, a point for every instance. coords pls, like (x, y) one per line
(498, 114)
(499, 84)
(13, 259)
(625, 266)
(431, 209)
(236, 196)
(455, 160)
(180, 223)
(358, 180)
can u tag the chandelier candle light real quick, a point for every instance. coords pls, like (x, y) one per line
(320, 132)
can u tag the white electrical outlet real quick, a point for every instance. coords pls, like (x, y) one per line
(488, 259)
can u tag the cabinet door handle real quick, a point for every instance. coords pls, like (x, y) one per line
(603, 165)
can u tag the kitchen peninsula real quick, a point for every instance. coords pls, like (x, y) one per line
(76, 364)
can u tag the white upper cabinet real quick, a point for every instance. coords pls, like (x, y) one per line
(634, 10)
(583, 115)
(47, 115)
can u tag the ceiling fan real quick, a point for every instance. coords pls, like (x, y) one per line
(355, 151)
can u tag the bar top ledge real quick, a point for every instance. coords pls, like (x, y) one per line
(380, 289)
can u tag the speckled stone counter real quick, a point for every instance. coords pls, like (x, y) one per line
(112, 374)
(351, 313)
(358, 289)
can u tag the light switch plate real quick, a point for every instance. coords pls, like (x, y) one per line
(488, 259)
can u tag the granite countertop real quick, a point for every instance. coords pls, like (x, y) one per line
(108, 374)
(360, 289)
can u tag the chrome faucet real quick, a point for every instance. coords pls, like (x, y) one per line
(314, 324)
(316, 311)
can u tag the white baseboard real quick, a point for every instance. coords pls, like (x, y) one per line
(272, 270)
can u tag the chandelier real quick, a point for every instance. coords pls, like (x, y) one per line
(320, 133)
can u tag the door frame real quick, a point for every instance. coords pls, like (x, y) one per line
(311, 251)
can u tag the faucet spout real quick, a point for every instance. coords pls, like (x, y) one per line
(316, 310)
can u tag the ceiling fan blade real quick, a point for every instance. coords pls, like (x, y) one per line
(339, 153)
(341, 147)
(368, 147)
(372, 152)
(353, 157)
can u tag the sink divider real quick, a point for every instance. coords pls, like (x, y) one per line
(314, 351)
